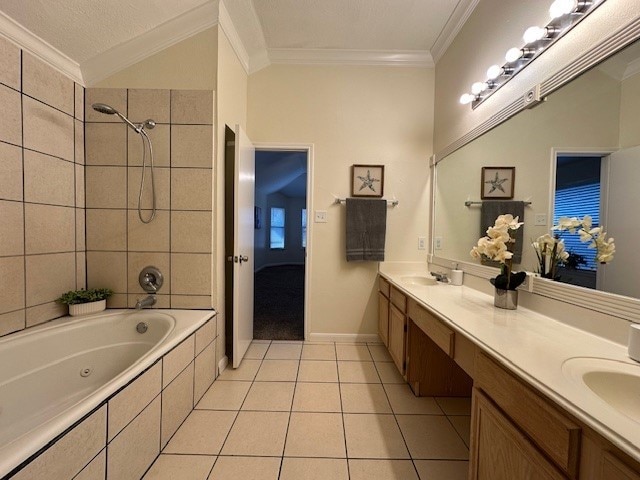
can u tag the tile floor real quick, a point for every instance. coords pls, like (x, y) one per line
(311, 411)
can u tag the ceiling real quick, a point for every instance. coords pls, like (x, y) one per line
(98, 37)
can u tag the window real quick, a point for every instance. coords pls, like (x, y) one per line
(304, 228)
(277, 228)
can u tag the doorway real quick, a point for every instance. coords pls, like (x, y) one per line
(280, 244)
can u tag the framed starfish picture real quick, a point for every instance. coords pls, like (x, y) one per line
(497, 182)
(367, 180)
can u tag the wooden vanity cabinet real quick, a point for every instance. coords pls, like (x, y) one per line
(383, 310)
(398, 328)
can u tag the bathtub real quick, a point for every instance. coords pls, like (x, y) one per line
(54, 375)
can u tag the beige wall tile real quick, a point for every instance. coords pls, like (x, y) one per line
(106, 187)
(48, 276)
(171, 467)
(69, 455)
(177, 360)
(118, 300)
(205, 335)
(198, 302)
(162, 188)
(190, 274)
(148, 237)
(47, 84)
(108, 270)
(159, 137)
(136, 447)
(49, 229)
(177, 403)
(106, 229)
(79, 102)
(48, 180)
(81, 270)
(192, 146)
(133, 399)
(145, 104)
(105, 144)
(191, 232)
(12, 231)
(12, 322)
(48, 130)
(139, 260)
(11, 284)
(192, 106)
(114, 97)
(10, 171)
(80, 229)
(79, 186)
(45, 312)
(79, 150)
(9, 64)
(205, 372)
(11, 118)
(96, 470)
(191, 189)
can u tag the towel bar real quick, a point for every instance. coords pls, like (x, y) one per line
(468, 203)
(390, 203)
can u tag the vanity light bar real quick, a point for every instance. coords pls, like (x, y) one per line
(565, 14)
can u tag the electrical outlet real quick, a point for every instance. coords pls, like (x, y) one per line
(438, 243)
(422, 242)
(540, 220)
(321, 216)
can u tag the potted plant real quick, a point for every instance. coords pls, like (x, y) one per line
(498, 246)
(84, 302)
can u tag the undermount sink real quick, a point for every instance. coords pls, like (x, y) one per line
(419, 280)
(614, 382)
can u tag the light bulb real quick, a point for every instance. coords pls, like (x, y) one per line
(513, 54)
(479, 87)
(467, 98)
(562, 7)
(494, 71)
(533, 34)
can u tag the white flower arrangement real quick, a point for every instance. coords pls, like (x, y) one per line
(605, 247)
(551, 253)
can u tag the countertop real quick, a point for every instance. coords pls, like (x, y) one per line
(532, 345)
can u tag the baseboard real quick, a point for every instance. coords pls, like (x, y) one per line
(284, 264)
(344, 337)
(222, 364)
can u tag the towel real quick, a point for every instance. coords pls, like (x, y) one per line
(492, 209)
(366, 229)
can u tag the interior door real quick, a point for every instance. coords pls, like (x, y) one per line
(243, 225)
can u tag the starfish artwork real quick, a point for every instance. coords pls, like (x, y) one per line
(368, 182)
(496, 183)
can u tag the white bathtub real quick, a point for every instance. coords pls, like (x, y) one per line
(53, 375)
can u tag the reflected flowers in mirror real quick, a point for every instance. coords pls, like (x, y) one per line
(605, 247)
(551, 254)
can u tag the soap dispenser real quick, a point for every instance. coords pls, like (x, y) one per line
(456, 274)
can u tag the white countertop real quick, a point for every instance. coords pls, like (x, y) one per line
(531, 345)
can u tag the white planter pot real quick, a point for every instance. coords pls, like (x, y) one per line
(87, 308)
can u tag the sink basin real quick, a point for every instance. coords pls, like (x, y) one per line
(615, 383)
(418, 280)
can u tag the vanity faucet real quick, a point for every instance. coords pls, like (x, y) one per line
(440, 276)
(148, 301)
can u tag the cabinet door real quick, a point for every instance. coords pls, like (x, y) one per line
(397, 337)
(499, 451)
(614, 469)
(383, 318)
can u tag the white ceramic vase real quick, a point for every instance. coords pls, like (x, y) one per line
(87, 308)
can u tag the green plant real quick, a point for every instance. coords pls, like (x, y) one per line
(74, 297)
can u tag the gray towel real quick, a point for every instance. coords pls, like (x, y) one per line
(366, 229)
(492, 209)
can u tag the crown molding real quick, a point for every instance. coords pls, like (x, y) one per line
(458, 18)
(632, 69)
(143, 46)
(398, 58)
(259, 61)
(232, 35)
(37, 47)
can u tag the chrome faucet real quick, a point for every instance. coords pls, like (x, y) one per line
(148, 301)
(440, 277)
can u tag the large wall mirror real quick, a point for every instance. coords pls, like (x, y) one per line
(577, 153)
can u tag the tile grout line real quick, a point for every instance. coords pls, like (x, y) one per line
(24, 209)
(344, 428)
(295, 387)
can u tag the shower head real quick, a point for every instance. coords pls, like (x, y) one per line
(109, 110)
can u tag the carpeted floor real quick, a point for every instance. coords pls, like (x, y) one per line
(278, 312)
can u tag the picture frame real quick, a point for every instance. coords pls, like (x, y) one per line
(497, 183)
(367, 181)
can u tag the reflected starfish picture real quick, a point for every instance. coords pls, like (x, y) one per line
(496, 183)
(367, 182)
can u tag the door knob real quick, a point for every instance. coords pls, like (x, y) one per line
(244, 258)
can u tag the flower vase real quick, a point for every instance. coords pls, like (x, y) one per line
(507, 299)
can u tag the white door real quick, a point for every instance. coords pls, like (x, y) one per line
(243, 225)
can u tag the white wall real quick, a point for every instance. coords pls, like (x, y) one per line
(352, 115)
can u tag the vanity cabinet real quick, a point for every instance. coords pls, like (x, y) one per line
(383, 310)
(398, 328)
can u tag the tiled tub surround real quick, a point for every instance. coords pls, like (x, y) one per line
(42, 242)
(119, 429)
(179, 240)
(529, 344)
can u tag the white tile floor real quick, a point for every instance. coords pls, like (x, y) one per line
(311, 411)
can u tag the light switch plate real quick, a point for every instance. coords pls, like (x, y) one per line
(422, 243)
(321, 216)
(540, 219)
(438, 243)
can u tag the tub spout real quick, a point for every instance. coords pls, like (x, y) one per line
(148, 301)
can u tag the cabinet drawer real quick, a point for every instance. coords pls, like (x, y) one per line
(384, 286)
(399, 299)
(441, 335)
(550, 430)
